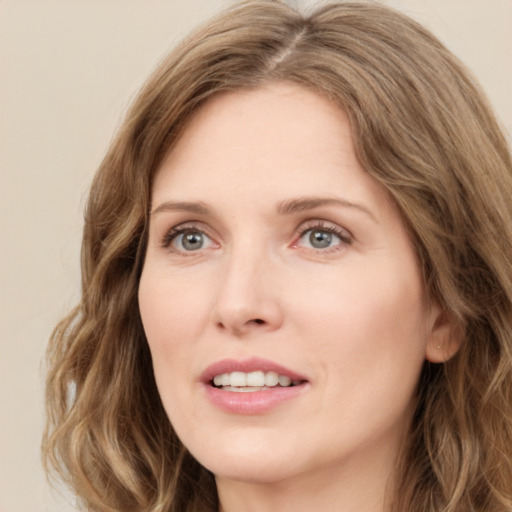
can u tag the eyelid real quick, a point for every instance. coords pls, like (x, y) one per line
(343, 234)
(326, 225)
(172, 233)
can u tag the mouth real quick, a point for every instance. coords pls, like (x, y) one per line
(252, 386)
(247, 382)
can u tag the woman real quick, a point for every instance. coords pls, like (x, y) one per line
(297, 287)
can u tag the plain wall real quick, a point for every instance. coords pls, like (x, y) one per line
(68, 70)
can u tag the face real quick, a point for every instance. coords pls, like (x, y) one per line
(280, 295)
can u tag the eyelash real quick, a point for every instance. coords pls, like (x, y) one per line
(317, 225)
(345, 237)
(181, 229)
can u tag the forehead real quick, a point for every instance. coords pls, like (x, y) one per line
(265, 142)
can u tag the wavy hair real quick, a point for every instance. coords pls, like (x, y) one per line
(422, 128)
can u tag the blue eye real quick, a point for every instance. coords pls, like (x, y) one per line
(191, 241)
(321, 238)
(187, 240)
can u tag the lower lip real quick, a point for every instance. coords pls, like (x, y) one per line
(254, 402)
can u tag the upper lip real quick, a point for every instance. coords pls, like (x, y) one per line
(248, 365)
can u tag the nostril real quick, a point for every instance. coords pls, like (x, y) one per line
(258, 321)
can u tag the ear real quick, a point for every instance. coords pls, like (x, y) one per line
(445, 337)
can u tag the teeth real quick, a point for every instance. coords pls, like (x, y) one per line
(271, 379)
(252, 381)
(284, 381)
(238, 379)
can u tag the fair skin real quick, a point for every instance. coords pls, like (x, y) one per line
(268, 240)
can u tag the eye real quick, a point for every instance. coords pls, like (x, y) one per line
(190, 241)
(322, 237)
(187, 239)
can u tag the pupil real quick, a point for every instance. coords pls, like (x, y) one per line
(192, 241)
(320, 239)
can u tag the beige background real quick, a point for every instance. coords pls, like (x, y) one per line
(68, 69)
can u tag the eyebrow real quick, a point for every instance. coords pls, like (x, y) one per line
(287, 207)
(309, 203)
(183, 206)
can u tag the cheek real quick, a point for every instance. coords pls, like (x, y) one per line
(171, 317)
(369, 343)
(172, 311)
(370, 321)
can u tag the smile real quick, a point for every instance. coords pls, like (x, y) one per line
(254, 386)
(252, 381)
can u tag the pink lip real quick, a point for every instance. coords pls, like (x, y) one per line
(256, 402)
(248, 365)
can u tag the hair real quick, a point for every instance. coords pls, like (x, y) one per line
(424, 130)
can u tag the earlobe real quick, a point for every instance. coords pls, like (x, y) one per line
(445, 338)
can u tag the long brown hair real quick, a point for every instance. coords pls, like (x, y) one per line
(423, 129)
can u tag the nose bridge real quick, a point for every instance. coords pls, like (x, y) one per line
(246, 297)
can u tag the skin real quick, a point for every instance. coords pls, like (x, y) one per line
(351, 317)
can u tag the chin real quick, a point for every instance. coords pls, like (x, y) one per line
(255, 472)
(249, 460)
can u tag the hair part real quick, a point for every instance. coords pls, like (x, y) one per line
(422, 128)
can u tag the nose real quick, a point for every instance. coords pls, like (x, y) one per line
(248, 298)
